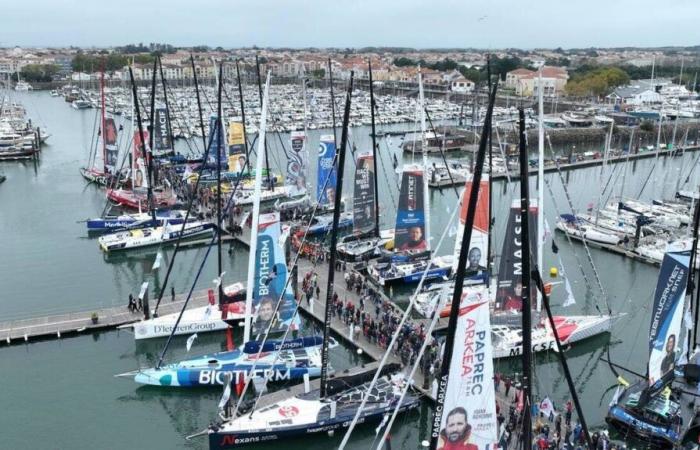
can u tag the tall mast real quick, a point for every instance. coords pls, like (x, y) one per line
(540, 182)
(256, 214)
(219, 144)
(372, 105)
(104, 144)
(490, 148)
(148, 155)
(424, 149)
(334, 241)
(460, 275)
(692, 277)
(142, 137)
(330, 80)
(260, 95)
(525, 280)
(245, 135)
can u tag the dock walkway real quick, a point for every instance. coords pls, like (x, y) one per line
(58, 325)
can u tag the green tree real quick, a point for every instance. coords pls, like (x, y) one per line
(39, 72)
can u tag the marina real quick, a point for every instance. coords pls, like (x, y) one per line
(259, 260)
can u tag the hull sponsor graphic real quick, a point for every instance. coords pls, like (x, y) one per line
(111, 149)
(510, 269)
(667, 316)
(270, 280)
(296, 165)
(325, 191)
(140, 175)
(162, 144)
(478, 246)
(236, 147)
(469, 416)
(410, 217)
(363, 206)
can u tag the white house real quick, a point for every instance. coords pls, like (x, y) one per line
(461, 84)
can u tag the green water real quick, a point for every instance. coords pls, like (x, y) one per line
(62, 394)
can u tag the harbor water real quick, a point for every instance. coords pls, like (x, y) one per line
(63, 393)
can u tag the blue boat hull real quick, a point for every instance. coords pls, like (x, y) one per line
(641, 428)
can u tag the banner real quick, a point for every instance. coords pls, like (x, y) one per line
(510, 268)
(478, 246)
(296, 165)
(270, 280)
(236, 147)
(139, 155)
(162, 144)
(469, 416)
(363, 204)
(111, 149)
(216, 142)
(410, 216)
(667, 315)
(325, 192)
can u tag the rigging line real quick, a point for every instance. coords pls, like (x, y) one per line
(400, 326)
(568, 238)
(199, 272)
(571, 206)
(279, 301)
(442, 152)
(183, 125)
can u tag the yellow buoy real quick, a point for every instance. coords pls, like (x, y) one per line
(553, 272)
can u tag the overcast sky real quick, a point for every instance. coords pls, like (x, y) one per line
(358, 23)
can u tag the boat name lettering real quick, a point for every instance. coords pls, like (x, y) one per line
(535, 348)
(671, 288)
(440, 404)
(218, 376)
(264, 264)
(157, 329)
(473, 359)
(518, 253)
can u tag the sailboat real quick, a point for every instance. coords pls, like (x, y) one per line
(649, 409)
(412, 252)
(110, 151)
(336, 402)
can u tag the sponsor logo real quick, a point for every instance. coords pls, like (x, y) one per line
(214, 377)
(535, 348)
(288, 411)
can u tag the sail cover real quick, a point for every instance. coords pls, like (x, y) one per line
(410, 217)
(364, 212)
(469, 417)
(111, 148)
(296, 165)
(478, 246)
(667, 315)
(236, 147)
(162, 144)
(270, 280)
(510, 268)
(325, 191)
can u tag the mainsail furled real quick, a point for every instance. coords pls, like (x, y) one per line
(236, 147)
(140, 164)
(270, 280)
(296, 165)
(325, 192)
(509, 292)
(667, 317)
(469, 416)
(478, 245)
(411, 225)
(364, 195)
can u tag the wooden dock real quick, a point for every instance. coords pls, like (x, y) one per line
(60, 325)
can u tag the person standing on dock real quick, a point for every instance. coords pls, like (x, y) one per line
(172, 293)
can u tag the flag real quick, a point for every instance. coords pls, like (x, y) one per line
(555, 249)
(217, 280)
(190, 341)
(570, 300)
(227, 390)
(385, 419)
(546, 407)
(156, 264)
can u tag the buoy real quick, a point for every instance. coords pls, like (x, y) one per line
(553, 272)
